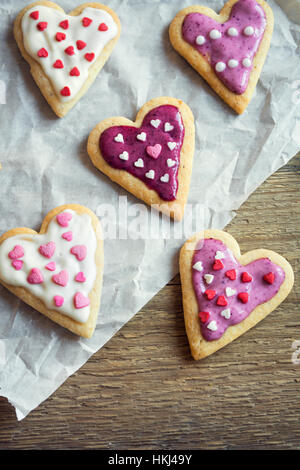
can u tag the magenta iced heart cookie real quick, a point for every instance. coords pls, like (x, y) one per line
(66, 52)
(226, 293)
(59, 276)
(151, 157)
(228, 49)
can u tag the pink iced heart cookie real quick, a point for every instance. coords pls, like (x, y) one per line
(52, 288)
(231, 292)
(228, 49)
(66, 52)
(152, 157)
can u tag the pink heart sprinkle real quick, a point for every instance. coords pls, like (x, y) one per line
(79, 251)
(51, 266)
(58, 300)
(17, 264)
(47, 250)
(67, 236)
(35, 276)
(16, 253)
(80, 301)
(80, 277)
(61, 278)
(64, 218)
(154, 151)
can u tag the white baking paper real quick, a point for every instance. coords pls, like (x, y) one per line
(45, 164)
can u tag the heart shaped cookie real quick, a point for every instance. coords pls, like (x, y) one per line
(66, 52)
(226, 293)
(228, 50)
(58, 275)
(151, 157)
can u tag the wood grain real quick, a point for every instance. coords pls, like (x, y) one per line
(144, 391)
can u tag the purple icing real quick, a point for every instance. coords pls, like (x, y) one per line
(244, 13)
(137, 149)
(258, 289)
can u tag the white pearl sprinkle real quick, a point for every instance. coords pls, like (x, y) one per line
(212, 325)
(215, 34)
(246, 62)
(220, 66)
(232, 32)
(248, 31)
(200, 40)
(232, 63)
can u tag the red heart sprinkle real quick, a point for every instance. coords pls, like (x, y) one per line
(89, 56)
(70, 50)
(34, 15)
(269, 278)
(210, 293)
(64, 24)
(103, 27)
(74, 72)
(65, 91)
(231, 274)
(204, 316)
(246, 277)
(80, 44)
(58, 64)
(42, 52)
(218, 265)
(60, 36)
(42, 25)
(243, 297)
(86, 21)
(221, 301)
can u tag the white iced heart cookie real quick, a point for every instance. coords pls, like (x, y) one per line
(66, 52)
(59, 270)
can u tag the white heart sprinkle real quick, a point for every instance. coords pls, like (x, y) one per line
(232, 63)
(229, 292)
(155, 123)
(212, 325)
(119, 138)
(198, 266)
(165, 178)
(215, 34)
(150, 174)
(170, 162)
(200, 40)
(248, 31)
(124, 155)
(219, 255)
(226, 313)
(246, 62)
(232, 32)
(142, 136)
(220, 66)
(168, 127)
(208, 278)
(171, 145)
(139, 163)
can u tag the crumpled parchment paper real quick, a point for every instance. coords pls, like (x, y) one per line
(45, 164)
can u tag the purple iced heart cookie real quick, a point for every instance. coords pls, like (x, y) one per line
(150, 152)
(227, 291)
(229, 47)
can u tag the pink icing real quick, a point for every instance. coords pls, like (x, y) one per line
(244, 13)
(79, 251)
(48, 249)
(58, 300)
(258, 290)
(68, 236)
(17, 264)
(80, 301)
(51, 266)
(61, 278)
(16, 253)
(35, 276)
(156, 138)
(64, 218)
(80, 277)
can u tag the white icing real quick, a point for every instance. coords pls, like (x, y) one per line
(198, 266)
(212, 325)
(83, 234)
(200, 40)
(220, 66)
(248, 31)
(232, 32)
(246, 62)
(232, 63)
(95, 41)
(215, 34)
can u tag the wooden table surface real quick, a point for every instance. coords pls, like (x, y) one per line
(144, 391)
